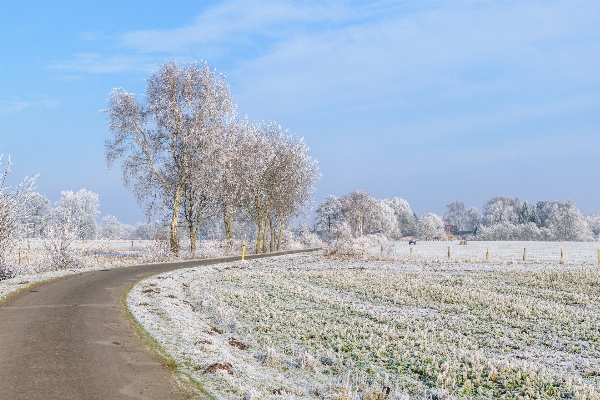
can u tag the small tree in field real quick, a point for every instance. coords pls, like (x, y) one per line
(81, 210)
(110, 227)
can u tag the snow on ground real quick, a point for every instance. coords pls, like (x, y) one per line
(575, 253)
(112, 244)
(304, 326)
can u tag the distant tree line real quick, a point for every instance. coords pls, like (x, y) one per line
(503, 218)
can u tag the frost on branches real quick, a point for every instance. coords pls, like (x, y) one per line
(186, 154)
(503, 218)
(12, 200)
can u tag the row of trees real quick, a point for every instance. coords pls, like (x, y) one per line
(187, 156)
(506, 218)
(79, 213)
(363, 215)
(503, 218)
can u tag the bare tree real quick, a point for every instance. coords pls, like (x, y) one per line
(456, 215)
(291, 179)
(359, 209)
(11, 208)
(235, 165)
(81, 209)
(35, 215)
(328, 217)
(159, 140)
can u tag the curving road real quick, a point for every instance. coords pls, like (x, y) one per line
(69, 339)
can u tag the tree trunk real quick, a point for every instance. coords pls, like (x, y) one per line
(229, 235)
(281, 226)
(264, 238)
(193, 243)
(258, 236)
(272, 233)
(174, 219)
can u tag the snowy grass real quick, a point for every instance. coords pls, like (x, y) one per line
(305, 326)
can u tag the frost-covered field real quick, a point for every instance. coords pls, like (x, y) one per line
(304, 326)
(113, 244)
(575, 253)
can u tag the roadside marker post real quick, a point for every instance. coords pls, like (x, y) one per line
(410, 255)
(448, 253)
(524, 254)
(562, 257)
(487, 255)
(244, 248)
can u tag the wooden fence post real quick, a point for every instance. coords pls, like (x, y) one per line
(487, 255)
(381, 253)
(410, 255)
(562, 257)
(524, 254)
(448, 253)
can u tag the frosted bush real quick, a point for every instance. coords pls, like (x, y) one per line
(343, 245)
(310, 240)
(509, 231)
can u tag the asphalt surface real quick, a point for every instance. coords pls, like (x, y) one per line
(69, 339)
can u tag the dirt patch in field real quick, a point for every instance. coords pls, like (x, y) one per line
(217, 367)
(237, 343)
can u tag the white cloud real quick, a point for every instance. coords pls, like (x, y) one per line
(237, 22)
(97, 63)
(18, 105)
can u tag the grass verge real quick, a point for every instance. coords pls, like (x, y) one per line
(25, 287)
(185, 379)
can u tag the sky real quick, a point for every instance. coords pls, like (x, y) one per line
(431, 101)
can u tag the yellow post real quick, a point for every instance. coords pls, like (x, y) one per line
(524, 254)
(244, 248)
(410, 255)
(487, 255)
(448, 253)
(562, 257)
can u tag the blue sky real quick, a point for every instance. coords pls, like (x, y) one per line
(429, 101)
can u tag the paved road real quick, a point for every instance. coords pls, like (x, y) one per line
(69, 339)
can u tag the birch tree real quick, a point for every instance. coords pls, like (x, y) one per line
(291, 182)
(158, 140)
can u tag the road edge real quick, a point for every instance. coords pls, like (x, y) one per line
(191, 385)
